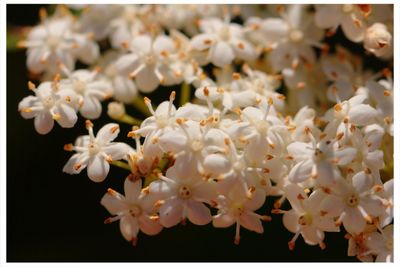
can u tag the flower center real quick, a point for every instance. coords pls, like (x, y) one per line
(262, 126)
(352, 200)
(48, 102)
(185, 192)
(162, 121)
(150, 59)
(296, 36)
(347, 8)
(79, 86)
(197, 145)
(53, 42)
(239, 166)
(135, 210)
(318, 155)
(93, 148)
(237, 209)
(305, 219)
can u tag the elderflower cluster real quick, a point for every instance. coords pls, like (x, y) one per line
(277, 114)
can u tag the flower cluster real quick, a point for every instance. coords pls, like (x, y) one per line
(282, 115)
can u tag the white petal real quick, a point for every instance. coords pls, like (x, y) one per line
(129, 227)
(251, 222)
(202, 41)
(97, 169)
(44, 122)
(351, 30)
(362, 114)
(373, 206)
(312, 235)
(127, 63)
(290, 221)
(345, 155)
(141, 44)
(374, 160)
(300, 151)
(91, 108)
(205, 191)
(223, 220)
(333, 205)
(222, 54)
(216, 164)
(132, 190)
(107, 133)
(362, 182)
(28, 102)
(256, 201)
(69, 167)
(327, 173)
(124, 89)
(296, 196)
(146, 80)
(117, 151)
(198, 213)
(326, 16)
(301, 171)
(114, 203)
(148, 226)
(171, 212)
(353, 221)
(163, 43)
(68, 116)
(244, 50)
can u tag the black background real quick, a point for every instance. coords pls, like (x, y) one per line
(52, 216)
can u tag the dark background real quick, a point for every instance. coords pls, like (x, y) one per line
(52, 216)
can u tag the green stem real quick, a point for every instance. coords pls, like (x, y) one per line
(121, 164)
(139, 104)
(185, 94)
(129, 120)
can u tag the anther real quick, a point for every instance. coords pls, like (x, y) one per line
(88, 124)
(31, 85)
(68, 147)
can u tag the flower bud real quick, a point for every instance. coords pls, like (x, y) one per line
(378, 40)
(116, 110)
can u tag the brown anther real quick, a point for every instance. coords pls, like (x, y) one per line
(367, 171)
(357, 22)
(159, 203)
(56, 116)
(387, 120)
(164, 53)
(281, 97)
(307, 130)
(322, 136)
(270, 101)
(326, 190)
(134, 241)
(323, 213)
(146, 100)
(338, 222)
(269, 157)
(291, 245)
(108, 220)
(339, 136)
(366, 9)
(206, 91)
(300, 85)
(271, 145)
(125, 45)
(251, 189)
(241, 45)
(322, 245)
(377, 188)
(88, 124)
(291, 128)
(387, 93)
(31, 85)
(207, 41)
(386, 72)
(350, 170)
(145, 190)
(266, 218)
(263, 182)
(352, 128)
(227, 141)
(236, 76)
(112, 192)
(300, 197)
(368, 219)
(213, 203)
(334, 75)
(68, 147)
(42, 13)
(154, 140)
(348, 236)
(179, 121)
(289, 157)
(338, 107)
(114, 129)
(131, 134)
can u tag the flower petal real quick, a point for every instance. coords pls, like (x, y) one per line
(222, 54)
(171, 212)
(223, 220)
(198, 213)
(97, 169)
(129, 227)
(353, 221)
(149, 226)
(250, 221)
(301, 171)
(43, 122)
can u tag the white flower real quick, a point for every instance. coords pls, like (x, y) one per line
(54, 41)
(349, 17)
(183, 196)
(237, 208)
(378, 40)
(221, 42)
(381, 244)
(149, 62)
(305, 216)
(387, 193)
(50, 103)
(134, 210)
(292, 38)
(90, 88)
(96, 152)
(354, 201)
(318, 160)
